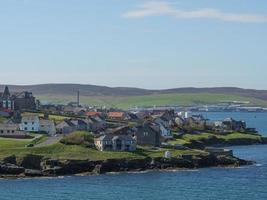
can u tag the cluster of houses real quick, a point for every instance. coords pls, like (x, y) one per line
(114, 130)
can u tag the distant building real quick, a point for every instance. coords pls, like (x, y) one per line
(47, 126)
(65, 127)
(17, 101)
(115, 143)
(30, 123)
(148, 134)
(11, 131)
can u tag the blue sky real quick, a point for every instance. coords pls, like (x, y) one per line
(138, 43)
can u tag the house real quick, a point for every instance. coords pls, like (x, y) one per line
(121, 130)
(180, 121)
(234, 125)
(65, 127)
(165, 132)
(17, 101)
(96, 124)
(93, 114)
(148, 134)
(30, 123)
(118, 116)
(80, 124)
(47, 126)
(11, 131)
(6, 100)
(6, 113)
(115, 143)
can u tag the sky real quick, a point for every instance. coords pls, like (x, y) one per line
(134, 43)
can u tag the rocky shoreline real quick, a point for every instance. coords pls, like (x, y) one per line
(37, 166)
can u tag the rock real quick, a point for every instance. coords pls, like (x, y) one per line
(10, 159)
(33, 173)
(8, 168)
(30, 162)
(53, 171)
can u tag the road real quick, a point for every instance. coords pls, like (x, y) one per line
(51, 140)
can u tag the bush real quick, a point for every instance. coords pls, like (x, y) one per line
(78, 138)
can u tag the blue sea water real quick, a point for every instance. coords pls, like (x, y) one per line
(244, 183)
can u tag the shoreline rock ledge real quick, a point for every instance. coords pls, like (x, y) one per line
(36, 166)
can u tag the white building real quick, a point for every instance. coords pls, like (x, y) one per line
(30, 123)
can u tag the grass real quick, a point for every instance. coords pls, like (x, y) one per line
(2, 119)
(61, 151)
(181, 99)
(187, 138)
(56, 118)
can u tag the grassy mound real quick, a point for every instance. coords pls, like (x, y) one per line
(78, 138)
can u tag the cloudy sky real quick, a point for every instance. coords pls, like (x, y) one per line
(138, 43)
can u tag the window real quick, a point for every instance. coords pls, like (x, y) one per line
(25, 123)
(2, 131)
(32, 123)
(145, 133)
(13, 131)
(25, 129)
(32, 128)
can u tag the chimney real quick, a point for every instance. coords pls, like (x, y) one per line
(78, 98)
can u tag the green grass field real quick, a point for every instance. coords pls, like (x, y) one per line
(186, 99)
(61, 151)
(187, 138)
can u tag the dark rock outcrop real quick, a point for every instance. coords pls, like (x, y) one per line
(11, 169)
(30, 162)
(50, 167)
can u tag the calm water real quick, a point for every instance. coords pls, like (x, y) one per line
(244, 183)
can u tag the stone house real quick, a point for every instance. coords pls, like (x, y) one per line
(65, 127)
(47, 126)
(96, 124)
(148, 134)
(11, 131)
(115, 143)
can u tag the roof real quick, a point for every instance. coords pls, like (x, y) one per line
(122, 130)
(114, 137)
(9, 126)
(116, 114)
(45, 122)
(92, 114)
(30, 117)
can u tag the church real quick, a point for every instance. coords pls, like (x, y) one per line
(17, 101)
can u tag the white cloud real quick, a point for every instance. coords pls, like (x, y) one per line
(157, 8)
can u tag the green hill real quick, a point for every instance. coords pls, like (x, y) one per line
(181, 99)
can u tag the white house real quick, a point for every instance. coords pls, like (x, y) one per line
(165, 132)
(30, 123)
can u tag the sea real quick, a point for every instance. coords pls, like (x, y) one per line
(243, 183)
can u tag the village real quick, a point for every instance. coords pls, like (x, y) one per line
(22, 116)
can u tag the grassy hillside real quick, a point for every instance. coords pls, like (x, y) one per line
(181, 99)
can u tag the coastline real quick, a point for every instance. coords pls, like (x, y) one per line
(87, 167)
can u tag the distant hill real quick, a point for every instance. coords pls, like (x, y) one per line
(93, 90)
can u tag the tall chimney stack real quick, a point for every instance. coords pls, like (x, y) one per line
(78, 98)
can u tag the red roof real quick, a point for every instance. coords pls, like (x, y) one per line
(7, 110)
(115, 114)
(92, 114)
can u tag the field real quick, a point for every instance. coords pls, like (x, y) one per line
(61, 151)
(187, 138)
(124, 102)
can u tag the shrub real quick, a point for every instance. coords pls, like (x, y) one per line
(78, 138)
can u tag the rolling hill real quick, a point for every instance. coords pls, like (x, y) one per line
(125, 97)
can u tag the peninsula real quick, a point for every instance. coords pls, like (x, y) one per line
(50, 139)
